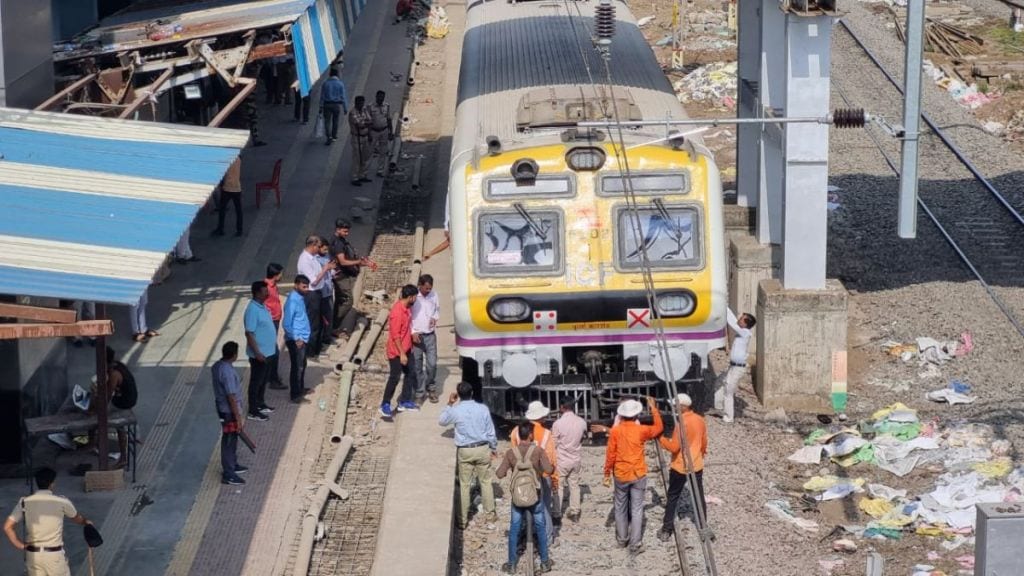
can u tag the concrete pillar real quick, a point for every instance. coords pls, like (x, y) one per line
(804, 225)
(750, 262)
(802, 335)
(748, 105)
(772, 90)
(26, 52)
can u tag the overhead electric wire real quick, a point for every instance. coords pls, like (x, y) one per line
(646, 271)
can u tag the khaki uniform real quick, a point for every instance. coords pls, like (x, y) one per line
(380, 134)
(359, 122)
(44, 514)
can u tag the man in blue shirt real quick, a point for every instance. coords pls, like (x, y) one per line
(227, 392)
(296, 335)
(261, 340)
(476, 444)
(332, 102)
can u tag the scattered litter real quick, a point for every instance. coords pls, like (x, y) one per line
(841, 490)
(437, 22)
(665, 41)
(883, 533)
(709, 499)
(782, 510)
(807, 455)
(885, 492)
(956, 393)
(62, 439)
(875, 507)
(994, 128)
(715, 82)
(844, 545)
(966, 95)
(644, 21)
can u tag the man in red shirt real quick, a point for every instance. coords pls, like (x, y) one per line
(398, 350)
(273, 304)
(625, 458)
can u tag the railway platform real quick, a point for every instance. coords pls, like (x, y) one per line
(178, 519)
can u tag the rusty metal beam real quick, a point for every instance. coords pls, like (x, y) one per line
(250, 36)
(144, 95)
(67, 91)
(250, 85)
(37, 313)
(272, 50)
(87, 328)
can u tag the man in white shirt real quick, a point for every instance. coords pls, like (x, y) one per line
(728, 381)
(425, 313)
(310, 267)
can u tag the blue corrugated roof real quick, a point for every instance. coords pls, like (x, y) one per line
(319, 35)
(90, 207)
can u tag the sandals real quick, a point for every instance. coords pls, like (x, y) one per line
(140, 337)
(152, 333)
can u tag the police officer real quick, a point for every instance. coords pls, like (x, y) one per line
(43, 513)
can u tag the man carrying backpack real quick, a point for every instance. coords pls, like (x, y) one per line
(527, 463)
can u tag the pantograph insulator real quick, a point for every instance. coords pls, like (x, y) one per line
(848, 118)
(604, 21)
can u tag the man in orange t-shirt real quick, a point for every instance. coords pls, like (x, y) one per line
(696, 431)
(625, 458)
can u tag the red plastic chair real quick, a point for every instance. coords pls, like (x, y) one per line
(273, 184)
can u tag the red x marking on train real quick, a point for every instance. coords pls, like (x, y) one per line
(638, 317)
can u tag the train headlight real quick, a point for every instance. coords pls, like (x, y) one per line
(508, 310)
(585, 158)
(675, 304)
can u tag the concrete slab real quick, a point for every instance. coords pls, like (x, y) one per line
(803, 337)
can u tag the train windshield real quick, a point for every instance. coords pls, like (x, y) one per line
(519, 242)
(677, 183)
(669, 234)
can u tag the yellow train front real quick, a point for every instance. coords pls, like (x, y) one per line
(547, 238)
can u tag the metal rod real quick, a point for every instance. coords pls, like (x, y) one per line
(907, 227)
(938, 131)
(250, 85)
(67, 91)
(145, 94)
(417, 166)
(705, 122)
(100, 399)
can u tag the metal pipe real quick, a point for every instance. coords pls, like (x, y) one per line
(396, 143)
(416, 168)
(705, 122)
(341, 408)
(100, 399)
(938, 131)
(312, 516)
(412, 67)
(417, 255)
(371, 338)
(907, 219)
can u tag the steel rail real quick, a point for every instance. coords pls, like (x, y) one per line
(931, 215)
(938, 131)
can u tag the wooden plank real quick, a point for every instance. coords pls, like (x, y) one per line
(67, 91)
(279, 48)
(37, 313)
(86, 328)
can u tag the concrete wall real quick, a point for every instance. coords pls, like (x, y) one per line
(26, 52)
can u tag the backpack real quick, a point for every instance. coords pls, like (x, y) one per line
(524, 485)
(127, 394)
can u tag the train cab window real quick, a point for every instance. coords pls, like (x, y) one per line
(676, 183)
(504, 188)
(671, 235)
(511, 242)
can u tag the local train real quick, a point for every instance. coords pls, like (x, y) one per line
(548, 239)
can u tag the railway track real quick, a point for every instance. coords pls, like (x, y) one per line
(981, 223)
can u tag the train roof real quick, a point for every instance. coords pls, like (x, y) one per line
(511, 50)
